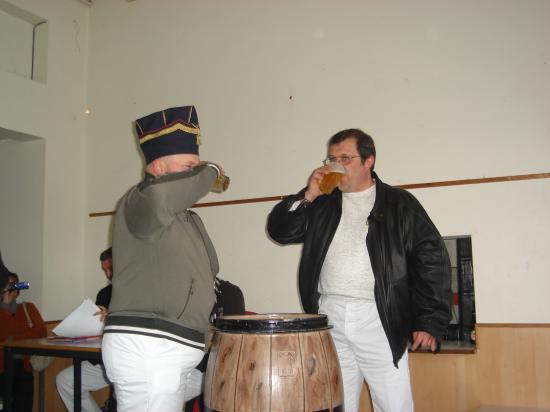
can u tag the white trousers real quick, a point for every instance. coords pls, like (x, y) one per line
(364, 353)
(93, 379)
(194, 385)
(149, 374)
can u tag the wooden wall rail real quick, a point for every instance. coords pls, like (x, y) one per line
(405, 186)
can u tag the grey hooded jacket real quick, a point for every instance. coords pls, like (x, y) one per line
(164, 262)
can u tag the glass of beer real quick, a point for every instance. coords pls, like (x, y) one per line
(221, 184)
(331, 179)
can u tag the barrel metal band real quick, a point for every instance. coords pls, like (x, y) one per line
(254, 324)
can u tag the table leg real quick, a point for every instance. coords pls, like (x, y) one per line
(8, 379)
(77, 363)
(41, 385)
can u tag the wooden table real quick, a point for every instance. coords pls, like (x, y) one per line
(77, 350)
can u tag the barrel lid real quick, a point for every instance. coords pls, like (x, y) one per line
(271, 323)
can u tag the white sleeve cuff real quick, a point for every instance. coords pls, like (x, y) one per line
(216, 167)
(295, 205)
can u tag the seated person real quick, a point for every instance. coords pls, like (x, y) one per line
(229, 301)
(18, 321)
(93, 372)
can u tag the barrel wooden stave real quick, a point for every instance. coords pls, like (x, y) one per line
(253, 377)
(223, 376)
(335, 374)
(287, 386)
(316, 376)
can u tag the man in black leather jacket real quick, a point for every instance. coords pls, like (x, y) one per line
(374, 262)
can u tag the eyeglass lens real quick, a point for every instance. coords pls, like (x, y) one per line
(342, 159)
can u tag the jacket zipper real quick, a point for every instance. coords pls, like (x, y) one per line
(383, 287)
(189, 294)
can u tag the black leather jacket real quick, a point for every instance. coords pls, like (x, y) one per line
(408, 257)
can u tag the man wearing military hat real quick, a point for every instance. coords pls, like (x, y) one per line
(164, 268)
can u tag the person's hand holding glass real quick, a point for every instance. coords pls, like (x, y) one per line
(221, 183)
(325, 179)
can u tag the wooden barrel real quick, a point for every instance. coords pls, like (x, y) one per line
(273, 362)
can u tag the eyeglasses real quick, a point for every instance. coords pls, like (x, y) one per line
(341, 159)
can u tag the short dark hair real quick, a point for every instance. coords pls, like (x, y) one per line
(365, 143)
(15, 278)
(3, 268)
(4, 280)
(106, 254)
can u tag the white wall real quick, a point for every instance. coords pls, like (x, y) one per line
(510, 228)
(15, 44)
(54, 112)
(21, 211)
(23, 42)
(449, 90)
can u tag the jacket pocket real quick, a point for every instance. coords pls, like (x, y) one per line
(187, 299)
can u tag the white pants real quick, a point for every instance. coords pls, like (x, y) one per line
(93, 379)
(364, 353)
(194, 385)
(149, 374)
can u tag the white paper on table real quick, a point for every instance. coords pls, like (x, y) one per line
(81, 322)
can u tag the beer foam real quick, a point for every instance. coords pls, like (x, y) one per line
(337, 167)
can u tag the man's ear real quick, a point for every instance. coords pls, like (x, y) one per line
(157, 167)
(369, 162)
